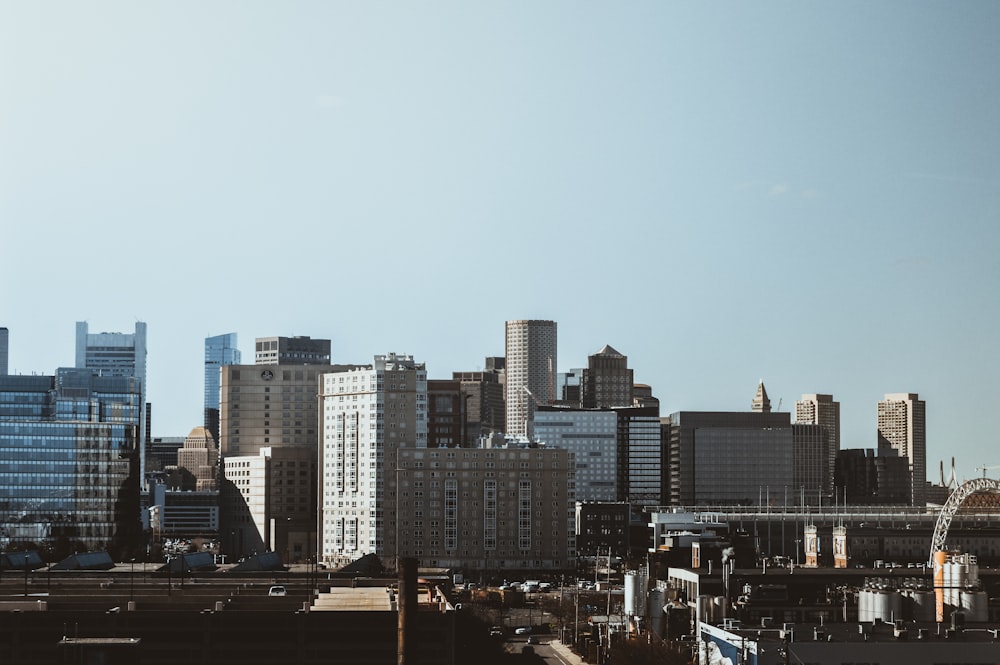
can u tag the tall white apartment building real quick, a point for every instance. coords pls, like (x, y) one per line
(902, 426)
(815, 409)
(530, 371)
(367, 413)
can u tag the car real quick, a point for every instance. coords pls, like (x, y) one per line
(532, 639)
(523, 630)
(277, 590)
(496, 631)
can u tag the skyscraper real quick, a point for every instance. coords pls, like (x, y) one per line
(367, 414)
(821, 410)
(4, 351)
(607, 381)
(530, 370)
(117, 354)
(268, 419)
(902, 426)
(219, 351)
(70, 463)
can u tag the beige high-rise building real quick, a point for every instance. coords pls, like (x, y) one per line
(270, 408)
(531, 364)
(816, 409)
(902, 426)
(200, 457)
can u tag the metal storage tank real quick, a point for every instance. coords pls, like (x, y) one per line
(655, 612)
(703, 609)
(923, 605)
(865, 605)
(886, 605)
(719, 608)
(635, 594)
(976, 605)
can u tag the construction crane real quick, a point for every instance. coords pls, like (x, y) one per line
(985, 468)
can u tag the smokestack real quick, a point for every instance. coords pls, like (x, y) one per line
(406, 633)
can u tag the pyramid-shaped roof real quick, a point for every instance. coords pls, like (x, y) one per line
(608, 350)
(761, 403)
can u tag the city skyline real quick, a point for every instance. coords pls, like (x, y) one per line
(804, 193)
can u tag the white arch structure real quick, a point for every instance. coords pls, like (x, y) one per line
(951, 506)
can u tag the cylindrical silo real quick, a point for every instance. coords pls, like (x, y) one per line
(655, 613)
(719, 608)
(635, 594)
(975, 604)
(922, 605)
(703, 609)
(865, 606)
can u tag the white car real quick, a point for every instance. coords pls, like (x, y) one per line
(277, 590)
(523, 630)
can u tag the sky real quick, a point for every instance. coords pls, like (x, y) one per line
(804, 193)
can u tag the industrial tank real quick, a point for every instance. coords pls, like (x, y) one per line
(655, 612)
(635, 594)
(922, 605)
(975, 604)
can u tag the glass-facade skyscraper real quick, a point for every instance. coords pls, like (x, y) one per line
(70, 473)
(220, 350)
(117, 354)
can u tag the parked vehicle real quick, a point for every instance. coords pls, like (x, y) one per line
(277, 590)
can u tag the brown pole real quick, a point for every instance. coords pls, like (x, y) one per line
(407, 612)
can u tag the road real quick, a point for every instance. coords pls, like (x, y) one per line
(549, 650)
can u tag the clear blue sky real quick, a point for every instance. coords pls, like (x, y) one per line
(801, 192)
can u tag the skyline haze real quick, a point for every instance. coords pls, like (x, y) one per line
(804, 193)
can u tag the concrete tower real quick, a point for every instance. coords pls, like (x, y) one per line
(607, 381)
(822, 410)
(530, 374)
(902, 426)
(761, 403)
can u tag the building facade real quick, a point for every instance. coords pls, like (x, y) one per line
(300, 350)
(368, 413)
(728, 457)
(607, 380)
(118, 354)
(816, 409)
(640, 456)
(592, 436)
(902, 426)
(866, 479)
(220, 350)
(199, 458)
(446, 416)
(812, 479)
(70, 472)
(268, 503)
(493, 511)
(482, 395)
(270, 407)
(531, 364)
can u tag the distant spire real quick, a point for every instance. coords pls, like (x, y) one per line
(761, 403)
